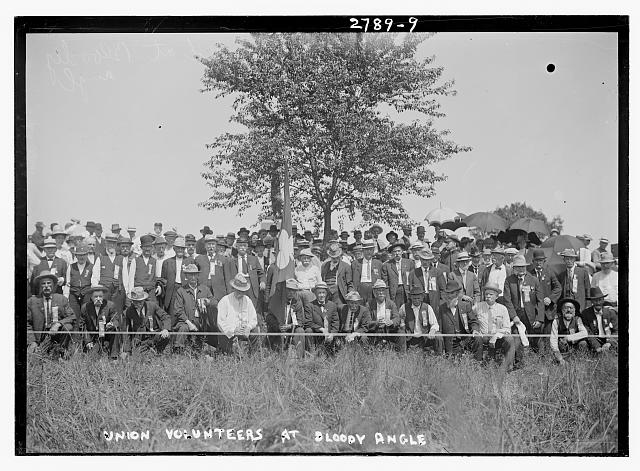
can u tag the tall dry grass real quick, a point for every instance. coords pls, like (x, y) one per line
(456, 404)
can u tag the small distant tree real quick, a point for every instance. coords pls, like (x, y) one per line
(515, 211)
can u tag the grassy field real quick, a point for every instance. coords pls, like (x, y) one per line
(454, 405)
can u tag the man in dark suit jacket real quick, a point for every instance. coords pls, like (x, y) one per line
(337, 275)
(396, 273)
(599, 320)
(249, 266)
(551, 289)
(143, 315)
(201, 244)
(430, 279)
(384, 317)
(293, 319)
(354, 317)
(322, 317)
(456, 319)
(170, 274)
(443, 267)
(363, 282)
(477, 266)
(52, 264)
(98, 315)
(48, 311)
(465, 278)
(524, 301)
(574, 280)
(501, 272)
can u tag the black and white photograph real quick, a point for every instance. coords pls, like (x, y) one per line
(322, 235)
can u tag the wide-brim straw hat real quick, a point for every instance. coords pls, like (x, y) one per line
(240, 283)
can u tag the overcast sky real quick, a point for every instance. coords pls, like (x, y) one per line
(117, 127)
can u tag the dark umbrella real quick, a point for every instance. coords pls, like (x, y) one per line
(555, 262)
(554, 245)
(530, 225)
(511, 236)
(486, 222)
(452, 225)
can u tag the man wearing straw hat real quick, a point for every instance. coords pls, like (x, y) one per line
(322, 315)
(355, 319)
(191, 311)
(429, 279)
(600, 321)
(308, 276)
(384, 317)
(607, 280)
(48, 311)
(337, 275)
(470, 292)
(366, 272)
(79, 276)
(144, 315)
(599, 252)
(237, 317)
(52, 264)
(100, 315)
(248, 266)
(418, 318)
(574, 280)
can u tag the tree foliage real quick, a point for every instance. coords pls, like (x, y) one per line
(518, 210)
(324, 103)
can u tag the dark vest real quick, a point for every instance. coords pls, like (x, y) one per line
(145, 277)
(80, 281)
(107, 270)
(573, 325)
(408, 311)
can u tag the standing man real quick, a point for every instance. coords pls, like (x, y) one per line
(190, 241)
(357, 235)
(107, 270)
(135, 241)
(90, 227)
(128, 270)
(574, 280)
(430, 280)
(366, 272)
(337, 275)
(597, 254)
(145, 270)
(406, 238)
(396, 273)
(497, 272)
(172, 276)
(170, 237)
(470, 292)
(52, 264)
(38, 237)
(211, 268)
(550, 286)
(231, 250)
(249, 267)
(585, 255)
(91, 245)
(200, 244)
(79, 276)
(101, 246)
(48, 311)
(157, 229)
(607, 280)
(421, 233)
(160, 254)
(524, 300)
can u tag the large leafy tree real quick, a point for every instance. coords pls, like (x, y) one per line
(327, 104)
(515, 211)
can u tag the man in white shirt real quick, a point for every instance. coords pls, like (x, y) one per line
(418, 319)
(384, 317)
(237, 317)
(170, 237)
(307, 275)
(496, 273)
(607, 279)
(585, 255)
(494, 328)
(567, 330)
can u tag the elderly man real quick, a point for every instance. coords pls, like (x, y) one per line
(493, 328)
(101, 247)
(567, 331)
(160, 254)
(79, 276)
(421, 234)
(357, 235)
(308, 276)
(157, 229)
(38, 237)
(406, 238)
(366, 272)
(52, 264)
(144, 315)
(49, 311)
(470, 292)
(62, 249)
(322, 317)
(172, 276)
(379, 244)
(476, 267)
(107, 271)
(91, 245)
(190, 243)
(550, 286)
(170, 237)
(524, 300)
(418, 318)
(384, 317)
(429, 279)
(585, 255)
(337, 275)
(509, 254)
(128, 270)
(248, 266)
(456, 319)
(607, 280)
(145, 270)
(211, 269)
(237, 317)
(396, 273)
(100, 315)
(599, 252)
(190, 313)
(497, 272)
(442, 267)
(201, 243)
(230, 241)
(295, 318)
(574, 280)
(487, 259)
(355, 318)
(135, 241)
(600, 321)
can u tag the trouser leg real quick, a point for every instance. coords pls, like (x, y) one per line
(181, 339)
(477, 345)
(273, 326)
(255, 341)
(508, 346)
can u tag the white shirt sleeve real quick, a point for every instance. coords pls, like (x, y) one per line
(95, 275)
(553, 340)
(225, 322)
(251, 314)
(582, 332)
(433, 320)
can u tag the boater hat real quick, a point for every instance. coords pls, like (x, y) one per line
(321, 285)
(353, 296)
(191, 268)
(49, 242)
(519, 261)
(379, 284)
(240, 283)
(492, 287)
(93, 289)
(138, 294)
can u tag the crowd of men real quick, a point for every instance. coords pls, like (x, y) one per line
(127, 293)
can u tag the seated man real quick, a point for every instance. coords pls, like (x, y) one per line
(456, 319)
(493, 327)
(354, 317)
(100, 315)
(191, 313)
(237, 317)
(49, 311)
(143, 315)
(567, 331)
(417, 319)
(322, 315)
(384, 317)
(601, 321)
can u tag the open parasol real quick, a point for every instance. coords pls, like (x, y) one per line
(486, 222)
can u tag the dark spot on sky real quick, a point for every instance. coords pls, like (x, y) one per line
(159, 127)
(602, 83)
(551, 68)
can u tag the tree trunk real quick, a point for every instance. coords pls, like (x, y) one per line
(327, 225)
(276, 197)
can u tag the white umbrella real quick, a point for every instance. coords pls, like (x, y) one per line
(441, 215)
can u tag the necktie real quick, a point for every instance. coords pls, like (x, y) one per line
(47, 310)
(244, 265)
(368, 270)
(539, 272)
(348, 323)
